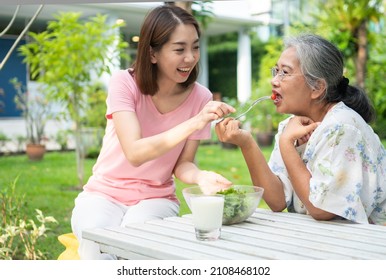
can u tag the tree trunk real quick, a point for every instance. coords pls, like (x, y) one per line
(361, 59)
(186, 5)
(79, 145)
(80, 154)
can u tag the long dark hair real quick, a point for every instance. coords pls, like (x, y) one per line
(321, 60)
(156, 30)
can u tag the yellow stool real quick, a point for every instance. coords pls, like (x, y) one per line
(71, 243)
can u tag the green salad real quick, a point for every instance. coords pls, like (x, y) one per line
(237, 205)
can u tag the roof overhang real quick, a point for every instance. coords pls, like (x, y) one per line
(132, 13)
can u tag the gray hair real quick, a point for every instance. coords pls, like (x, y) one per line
(320, 60)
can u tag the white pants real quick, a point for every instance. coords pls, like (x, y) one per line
(93, 211)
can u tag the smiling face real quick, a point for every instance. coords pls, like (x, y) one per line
(178, 56)
(294, 95)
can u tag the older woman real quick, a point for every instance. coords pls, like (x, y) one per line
(327, 161)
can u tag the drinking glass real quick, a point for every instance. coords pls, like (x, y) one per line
(207, 213)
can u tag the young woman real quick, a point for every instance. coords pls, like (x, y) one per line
(156, 115)
(327, 161)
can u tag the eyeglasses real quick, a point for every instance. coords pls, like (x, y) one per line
(275, 71)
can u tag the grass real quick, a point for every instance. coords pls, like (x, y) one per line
(50, 184)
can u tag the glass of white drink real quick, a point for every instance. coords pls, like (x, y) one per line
(207, 213)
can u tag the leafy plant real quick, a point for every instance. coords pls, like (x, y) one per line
(18, 234)
(20, 142)
(203, 12)
(376, 83)
(35, 110)
(95, 107)
(3, 140)
(347, 25)
(61, 138)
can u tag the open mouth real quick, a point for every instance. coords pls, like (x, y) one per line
(276, 97)
(183, 70)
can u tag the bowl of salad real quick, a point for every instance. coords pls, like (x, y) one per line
(240, 201)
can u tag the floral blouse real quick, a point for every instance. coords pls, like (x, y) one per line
(347, 162)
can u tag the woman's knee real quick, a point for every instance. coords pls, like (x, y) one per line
(92, 211)
(150, 209)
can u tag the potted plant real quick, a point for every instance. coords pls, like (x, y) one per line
(263, 119)
(3, 141)
(262, 122)
(35, 111)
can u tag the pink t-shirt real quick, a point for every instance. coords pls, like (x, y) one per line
(113, 176)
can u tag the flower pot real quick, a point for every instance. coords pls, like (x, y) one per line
(35, 151)
(228, 146)
(265, 139)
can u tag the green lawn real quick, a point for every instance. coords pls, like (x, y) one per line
(50, 184)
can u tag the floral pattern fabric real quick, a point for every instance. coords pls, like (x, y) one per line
(348, 166)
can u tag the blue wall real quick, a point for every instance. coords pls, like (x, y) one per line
(12, 68)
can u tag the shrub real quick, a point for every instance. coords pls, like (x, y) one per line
(19, 235)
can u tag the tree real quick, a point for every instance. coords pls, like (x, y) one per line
(347, 22)
(201, 10)
(186, 5)
(67, 59)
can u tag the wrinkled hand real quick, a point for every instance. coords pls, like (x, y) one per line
(211, 182)
(229, 131)
(299, 129)
(212, 111)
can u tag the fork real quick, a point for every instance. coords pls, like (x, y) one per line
(258, 100)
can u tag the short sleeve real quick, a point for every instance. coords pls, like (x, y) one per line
(203, 97)
(121, 93)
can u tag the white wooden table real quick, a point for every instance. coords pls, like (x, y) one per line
(265, 235)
